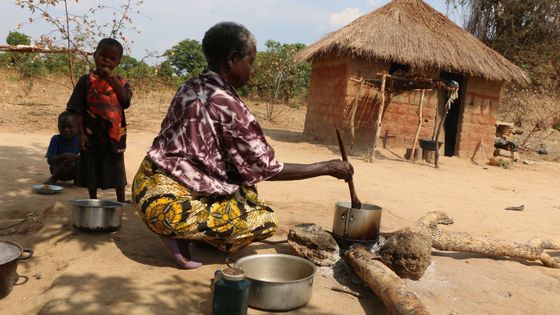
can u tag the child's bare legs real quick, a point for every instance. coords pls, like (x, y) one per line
(120, 194)
(179, 249)
(62, 171)
(119, 191)
(92, 193)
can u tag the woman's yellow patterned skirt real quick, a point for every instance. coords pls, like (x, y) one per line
(226, 222)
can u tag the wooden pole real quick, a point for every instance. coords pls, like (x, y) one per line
(412, 155)
(378, 120)
(353, 116)
(42, 50)
(448, 104)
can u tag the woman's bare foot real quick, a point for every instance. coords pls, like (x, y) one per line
(179, 252)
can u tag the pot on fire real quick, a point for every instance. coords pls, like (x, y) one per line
(357, 225)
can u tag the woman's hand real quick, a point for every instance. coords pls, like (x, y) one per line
(340, 169)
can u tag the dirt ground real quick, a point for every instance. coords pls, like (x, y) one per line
(128, 271)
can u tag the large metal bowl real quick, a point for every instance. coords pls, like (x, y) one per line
(96, 214)
(279, 282)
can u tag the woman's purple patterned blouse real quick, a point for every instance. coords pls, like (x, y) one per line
(210, 141)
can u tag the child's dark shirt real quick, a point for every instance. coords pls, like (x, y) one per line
(59, 145)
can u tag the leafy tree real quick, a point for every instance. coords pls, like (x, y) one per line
(81, 31)
(186, 58)
(164, 69)
(17, 38)
(27, 65)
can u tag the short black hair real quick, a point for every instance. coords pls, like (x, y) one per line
(65, 114)
(224, 38)
(109, 42)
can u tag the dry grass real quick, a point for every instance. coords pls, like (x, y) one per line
(38, 110)
(538, 116)
(411, 32)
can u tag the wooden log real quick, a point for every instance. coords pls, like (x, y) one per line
(392, 290)
(545, 243)
(464, 242)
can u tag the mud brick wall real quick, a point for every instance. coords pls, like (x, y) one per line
(332, 95)
(326, 97)
(478, 116)
(401, 118)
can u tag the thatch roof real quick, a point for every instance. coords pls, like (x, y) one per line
(412, 32)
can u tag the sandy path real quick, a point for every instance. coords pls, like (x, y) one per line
(129, 272)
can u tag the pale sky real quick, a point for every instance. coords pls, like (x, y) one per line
(164, 23)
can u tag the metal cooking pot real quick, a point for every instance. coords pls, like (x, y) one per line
(360, 225)
(96, 214)
(10, 254)
(279, 282)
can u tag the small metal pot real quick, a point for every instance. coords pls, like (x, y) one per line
(10, 254)
(361, 225)
(96, 214)
(279, 282)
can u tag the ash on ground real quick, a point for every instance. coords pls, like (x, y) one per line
(342, 273)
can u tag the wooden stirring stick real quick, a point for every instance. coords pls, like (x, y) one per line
(356, 204)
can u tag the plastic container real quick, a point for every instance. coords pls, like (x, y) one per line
(231, 292)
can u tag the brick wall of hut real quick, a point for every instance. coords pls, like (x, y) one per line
(478, 116)
(332, 95)
(326, 96)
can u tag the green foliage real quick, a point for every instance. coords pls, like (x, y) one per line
(17, 38)
(186, 58)
(27, 65)
(277, 77)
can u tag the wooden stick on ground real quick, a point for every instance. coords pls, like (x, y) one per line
(391, 289)
(464, 242)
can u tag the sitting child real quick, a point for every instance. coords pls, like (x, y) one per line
(64, 150)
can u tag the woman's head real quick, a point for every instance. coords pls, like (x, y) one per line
(231, 47)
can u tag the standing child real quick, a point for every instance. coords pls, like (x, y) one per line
(99, 100)
(64, 150)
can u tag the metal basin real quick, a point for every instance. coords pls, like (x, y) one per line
(10, 254)
(96, 214)
(361, 225)
(279, 282)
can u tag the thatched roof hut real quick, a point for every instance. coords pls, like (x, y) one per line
(409, 35)
(412, 32)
